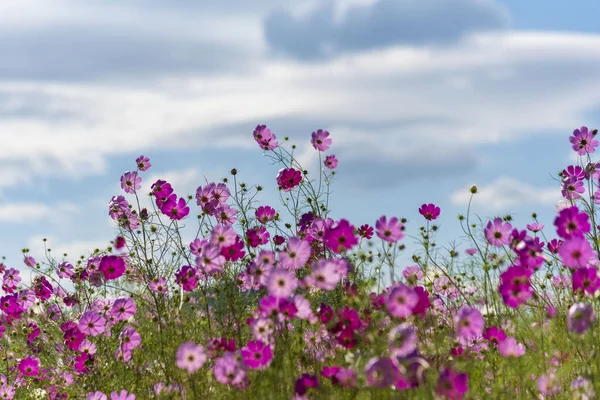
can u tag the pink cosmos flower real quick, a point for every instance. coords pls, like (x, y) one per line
(281, 283)
(494, 335)
(131, 182)
(264, 138)
(580, 317)
(95, 396)
(29, 366)
(158, 285)
(535, 227)
(510, 348)
(576, 253)
(210, 260)
(288, 178)
(222, 235)
(191, 357)
(296, 254)
(123, 309)
(429, 211)
(548, 385)
(572, 188)
(112, 267)
(325, 275)
(29, 261)
(331, 161)
(64, 269)
(583, 141)
(401, 301)
(130, 339)
(403, 340)
(412, 274)
(497, 232)
(122, 395)
(143, 163)
(340, 237)
(469, 322)
(452, 385)
(390, 231)
(225, 214)
(257, 354)
(228, 370)
(7, 392)
(320, 140)
(91, 323)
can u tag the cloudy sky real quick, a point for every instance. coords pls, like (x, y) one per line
(422, 99)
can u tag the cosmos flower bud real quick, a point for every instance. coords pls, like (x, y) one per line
(473, 189)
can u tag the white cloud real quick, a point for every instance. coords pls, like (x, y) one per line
(32, 212)
(489, 89)
(505, 193)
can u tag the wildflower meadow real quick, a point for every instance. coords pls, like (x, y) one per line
(218, 296)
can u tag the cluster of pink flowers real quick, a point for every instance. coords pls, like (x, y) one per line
(252, 298)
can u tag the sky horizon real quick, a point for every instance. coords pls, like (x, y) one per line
(422, 100)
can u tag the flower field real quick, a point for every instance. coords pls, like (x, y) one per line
(280, 301)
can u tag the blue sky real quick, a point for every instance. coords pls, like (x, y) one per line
(422, 100)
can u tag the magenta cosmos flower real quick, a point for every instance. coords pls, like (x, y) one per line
(429, 211)
(494, 335)
(131, 182)
(331, 161)
(288, 178)
(515, 286)
(29, 366)
(583, 141)
(257, 354)
(497, 232)
(320, 140)
(576, 253)
(191, 357)
(570, 222)
(390, 231)
(586, 280)
(112, 267)
(469, 323)
(340, 237)
(91, 323)
(174, 208)
(452, 385)
(264, 214)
